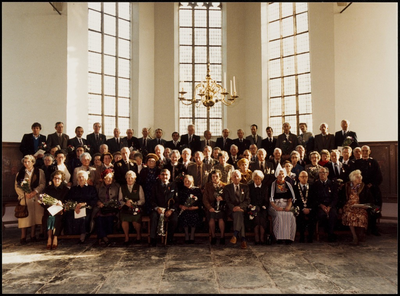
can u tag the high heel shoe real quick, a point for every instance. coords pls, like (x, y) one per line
(54, 247)
(48, 247)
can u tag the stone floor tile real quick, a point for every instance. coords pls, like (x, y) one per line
(252, 277)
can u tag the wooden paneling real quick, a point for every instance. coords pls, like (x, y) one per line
(386, 155)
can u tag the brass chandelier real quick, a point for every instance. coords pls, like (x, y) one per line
(210, 92)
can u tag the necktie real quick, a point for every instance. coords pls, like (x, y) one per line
(262, 166)
(224, 142)
(255, 139)
(80, 141)
(270, 140)
(97, 138)
(190, 138)
(337, 170)
(116, 140)
(158, 141)
(145, 142)
(304, 190)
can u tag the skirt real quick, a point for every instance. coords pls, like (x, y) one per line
(356, 217)
(284, 223)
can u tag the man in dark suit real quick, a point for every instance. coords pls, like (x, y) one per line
(190, 140)
(263, 165)
(207, 140)
(237, 199)
(324, 140)
(174, 166)
(334, 166)
(345, 134)
(158, 140)
(123, 165)
(254, 138)
(164, 201)
(116, 143)
(241, 142)
(224, 142)
(286, 141)
(131, 141)
(208, 159)
(32, 142)
(307, 206)
(277, 159)
(58, 138)
(78, 140)
(348, 164)
(144, 142)
(269, 143)
(199, 170)
(174, 144)
(326, 196)
(234, 156)
(95, 139)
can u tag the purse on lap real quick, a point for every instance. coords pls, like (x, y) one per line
(21, 211)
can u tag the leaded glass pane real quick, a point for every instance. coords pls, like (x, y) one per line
(123, 124)
(287, 26)
(94, 41)
(215, 18)
(273, 30)
(185, 18)
(301, 7)
(290, 105)
(274, 68)
(94, 62)
(94, 5)
(215, 37)
(124, 48)
(94, 21)
(124, 68)
(274, 49)
(124, 10)
(287, 9)
(305, 103)
(273, 11)
(215, 54)
(200, 54)
(109, 25)
(275, 87)
(303, 43)
(109, 45)
(185, 54)
(94, 83)
(200, 18)
(303, 63)
(276, 124)
(304, 83)
(200, 72)
(123, 107)
(109, 7)
(109, 105)
(123, 87)
(302, 22)
(200, 36)
(289, 84)
(275, 107)
(109, 65)
(288, 46)
(94, 104)
(293, 123)
(288, 66)
(109, 85)
(186, 72)
(124, 29)
(185, 36)
(109, 125)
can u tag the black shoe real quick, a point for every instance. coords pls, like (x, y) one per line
(279, 242)
(302, 240)
(23, 241)
(222, 241)
(187, 241)
(106, 241)
(153, 242)
(127, 243)
(34, 239)
(213, 240)
(191, 241)
(288, 242)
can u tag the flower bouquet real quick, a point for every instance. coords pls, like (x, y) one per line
(219, 205)
(110, 207)
(134, 209)
(70, 205)
(295, 210)
(253, 211)
(70, 148)
(43, 146)
(86, 147)
(54, 205)
(372, 208)
(348, 141)
(189, 202)
(180, 177)
(24, 185)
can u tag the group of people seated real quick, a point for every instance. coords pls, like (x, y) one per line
(101, 187)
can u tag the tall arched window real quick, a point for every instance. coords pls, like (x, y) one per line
(199, 42)
(109, 65)
(289, 65)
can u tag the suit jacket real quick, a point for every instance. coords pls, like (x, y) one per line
(339, 138)
(74, 142)
(220, 144)
(203, 144)
(170, 144)
(114, 147)
(325, 194)
(53, 141)
(26, 146)
(348, 168)
(208, 195)
(333, 175)
(258, 143)
(144, 148)
(268, 146)
(245, 144)
(287, 147)
(234, 163)
(95, 145)
(231, 198)
(320, 143)
(160, 196)
(309, 198)
(195, 145)
(259, 197)
(175, 171)
(304, 138)
(211, 161)
(274, 165)
(153, 143)
(269, 170)
(132, 143)
(120, 169)
(205, 169)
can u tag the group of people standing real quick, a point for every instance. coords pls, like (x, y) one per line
(112, 183)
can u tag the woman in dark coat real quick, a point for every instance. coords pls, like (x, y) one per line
(59, 190)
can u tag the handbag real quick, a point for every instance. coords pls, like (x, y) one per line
(21, 211)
